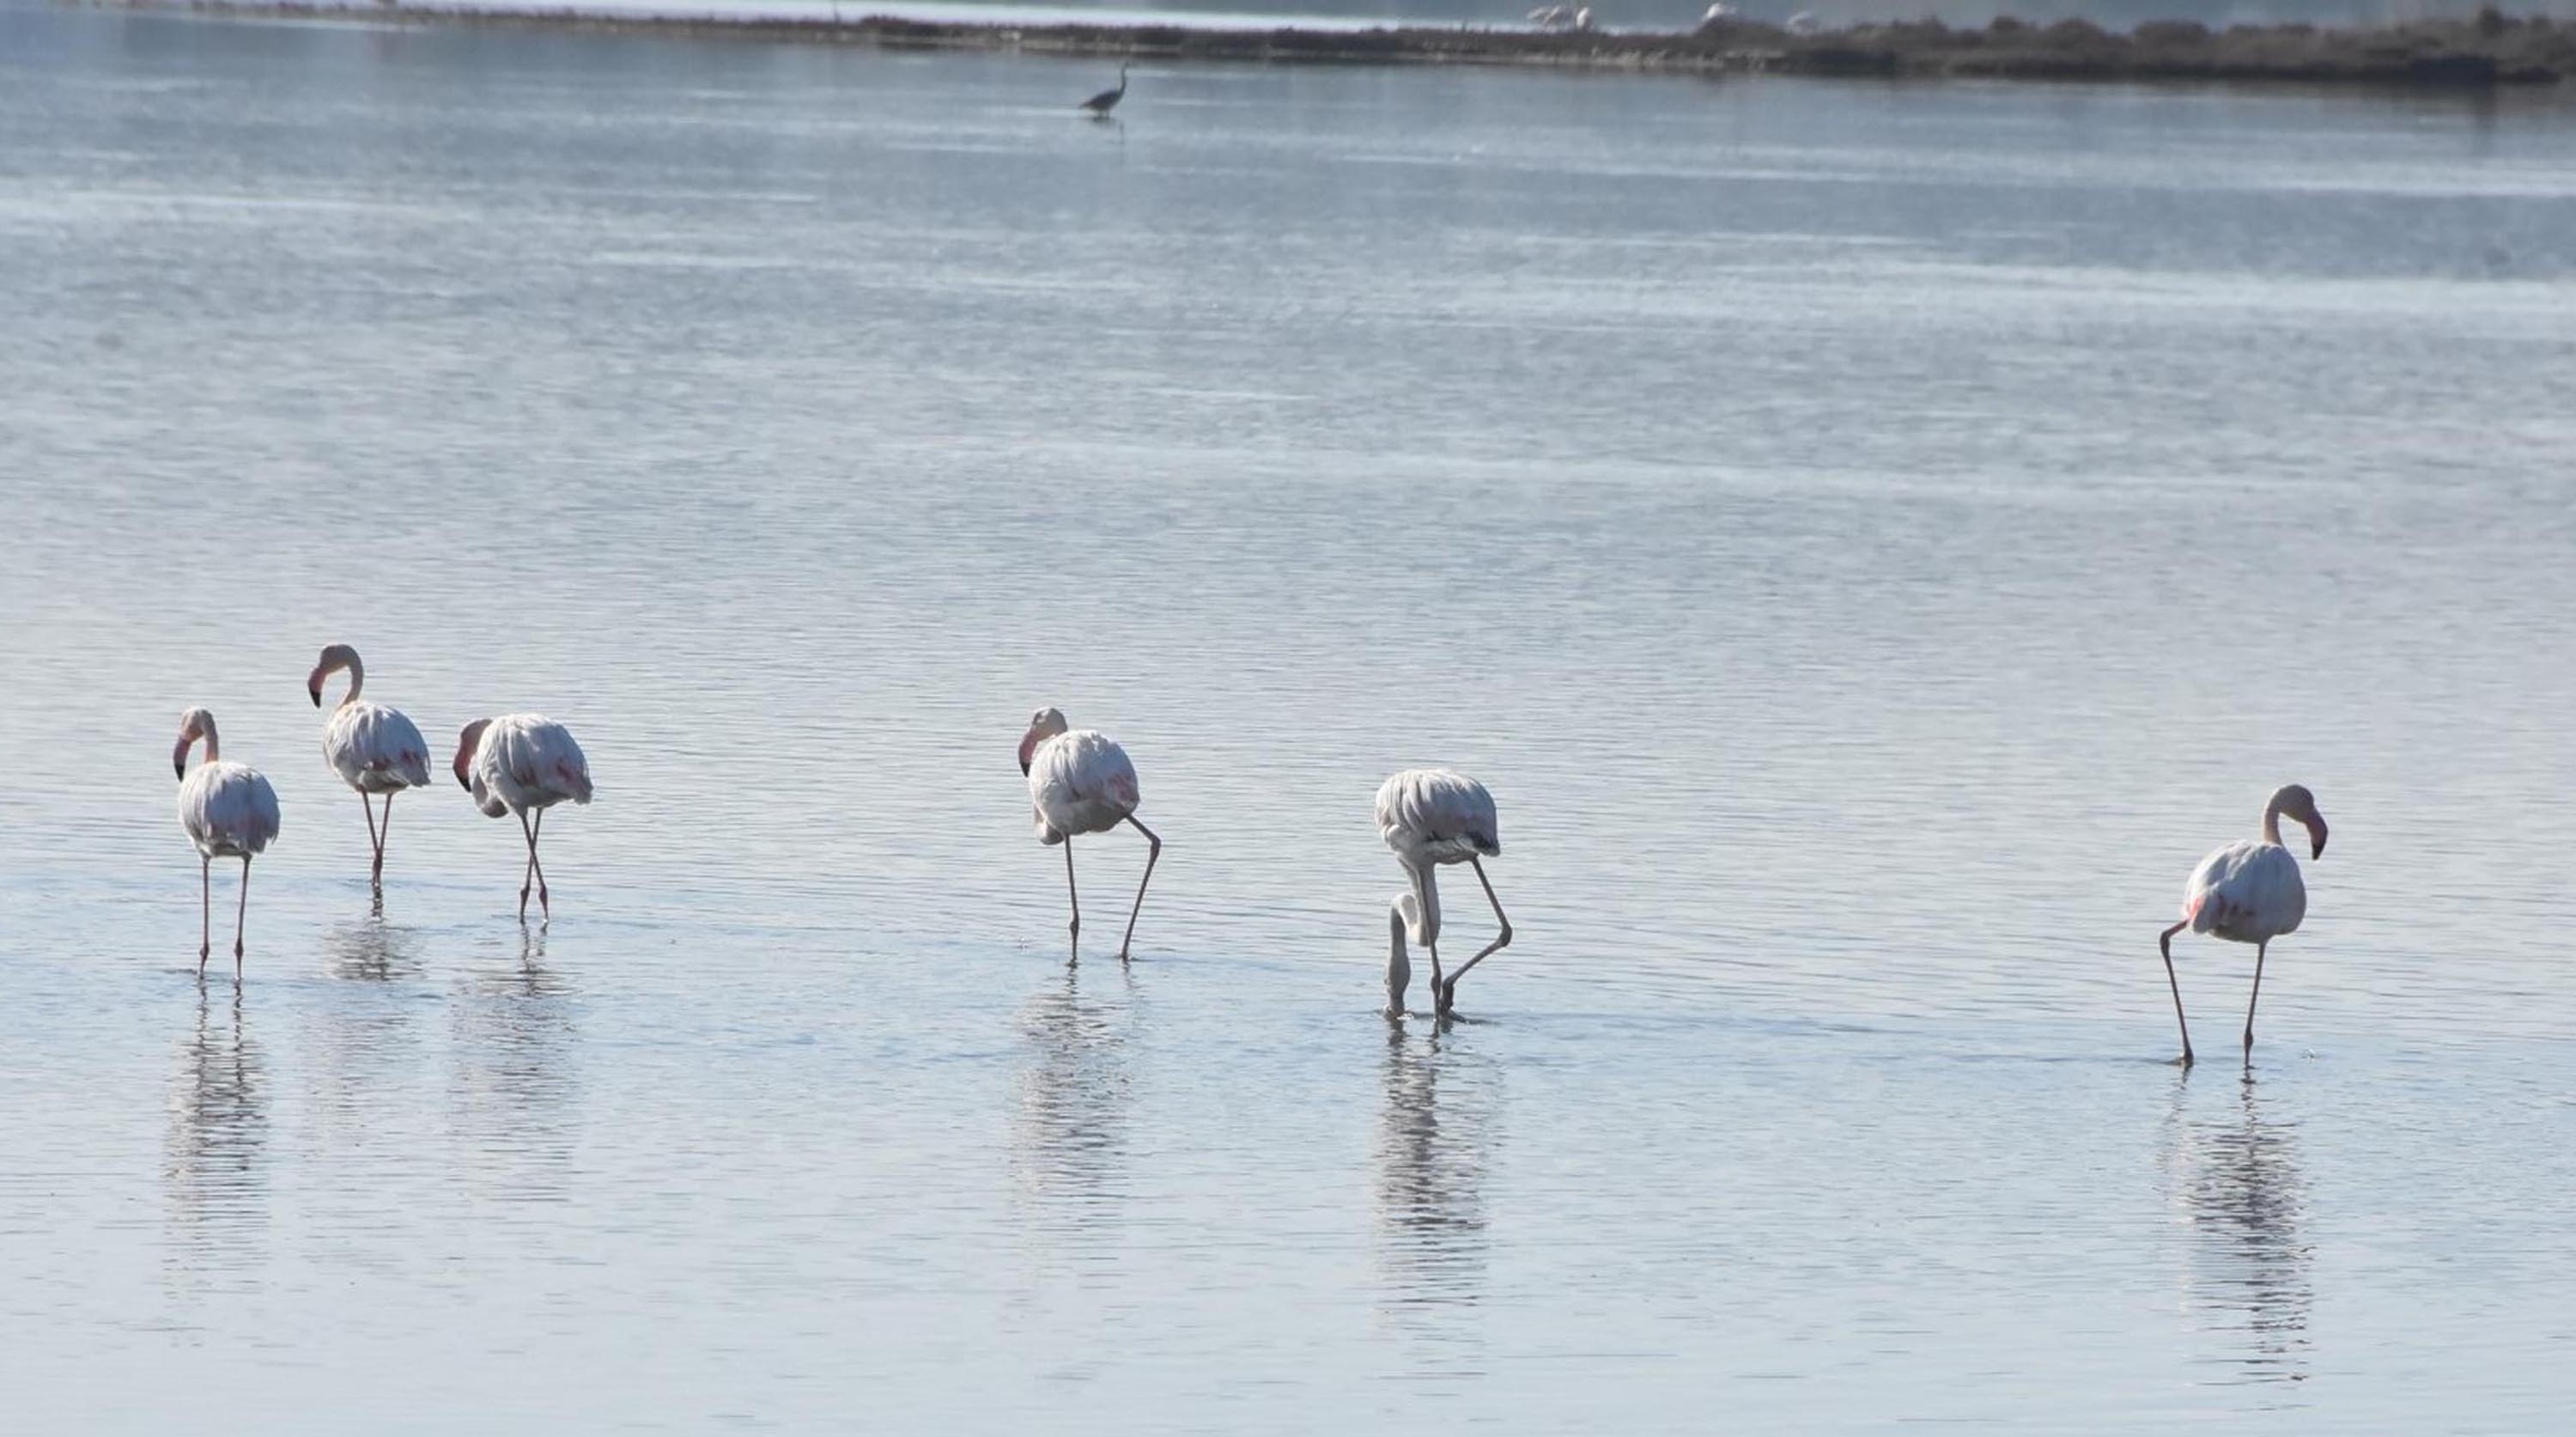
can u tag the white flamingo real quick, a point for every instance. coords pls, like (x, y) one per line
(229, 811)
(2248, 892)
(373, 748)
(1431, 816)
(522, 764)
(1081, 782)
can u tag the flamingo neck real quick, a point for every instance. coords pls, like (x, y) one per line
(1399, 967)
(357, 681)
(2272, 823)
(214, 747)
(1426, 895)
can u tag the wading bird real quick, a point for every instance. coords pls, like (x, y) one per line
(1430, 816)
(1081, 782)
(2248, 892)
(229, 811)
(373, 748)
(522, 764)
(1107, 100)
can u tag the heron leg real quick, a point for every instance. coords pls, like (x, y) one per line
(205, 912)
(240, 916)
(1074, 898)
(2164, 945)
(1501, 939)
(2259, 950)
(1151, 853)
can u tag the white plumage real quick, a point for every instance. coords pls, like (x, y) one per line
(1428, 817)
(522, 764)
(2248, 892)
(374, 749)
(1080, 781)
(228, 811)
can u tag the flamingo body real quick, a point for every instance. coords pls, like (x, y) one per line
(2246, 892)
(527, 763)
(228, 810)
(1080, 781)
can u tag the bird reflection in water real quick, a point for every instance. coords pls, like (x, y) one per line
(2237, 1179)
(1433, 1148)
(370, 950)
(217, 1168)
(367, 1044)
(514, 1090)
(1069, 1136)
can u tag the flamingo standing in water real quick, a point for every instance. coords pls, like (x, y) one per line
(1431, 816)
(2248, 892)
(373, 748)
(229, 811)
(522, 764)
(1081, 782)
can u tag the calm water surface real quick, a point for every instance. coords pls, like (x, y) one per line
(1872, 541)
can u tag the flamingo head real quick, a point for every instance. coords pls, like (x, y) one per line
(334, 659)
(1045, 724)
(195, 724)
(467, 742)
(2294, 802)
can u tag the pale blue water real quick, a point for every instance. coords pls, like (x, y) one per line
(1871, 540)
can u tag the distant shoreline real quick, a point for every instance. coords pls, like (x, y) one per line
(2488, 51)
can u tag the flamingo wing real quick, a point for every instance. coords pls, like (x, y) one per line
(228, 810)
(2247, 891)
(1439, 815)
(375, 749)
(1081, 782)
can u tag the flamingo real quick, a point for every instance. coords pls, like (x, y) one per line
(1431, 816)
(373, 748)
(1081, 782)
(2248, 892)
(522, 764)
(1107, 100)
(229, 811)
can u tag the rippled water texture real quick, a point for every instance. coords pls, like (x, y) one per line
(1871, 540)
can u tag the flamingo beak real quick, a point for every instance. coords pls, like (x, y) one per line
(313, 686)
(179, 757)
(2316, 838)
(1028, 741)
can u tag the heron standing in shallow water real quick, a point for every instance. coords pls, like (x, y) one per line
(1107, 100)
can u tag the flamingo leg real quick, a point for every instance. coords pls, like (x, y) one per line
(545, 905)
(374, 844)
(205, 912)
(239, 917)
(378, 876)
(1152, 853)
(2259, 950)
(2164, 945)
(527, 874)
(1501, 939)
(1073, 898)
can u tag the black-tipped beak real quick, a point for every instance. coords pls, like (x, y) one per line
(179, 766)
(1024, 768)
(2317, 844)
(465, 783)
(316, 691)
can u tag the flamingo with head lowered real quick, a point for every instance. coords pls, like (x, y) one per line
(229, 811)
(2248, 892)
(522, 764)
(373, 748)
(1431, 816)
(1081, 782)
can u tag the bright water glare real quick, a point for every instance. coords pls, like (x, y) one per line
(1872, 540)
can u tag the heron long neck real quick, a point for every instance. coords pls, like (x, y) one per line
(1426, 892)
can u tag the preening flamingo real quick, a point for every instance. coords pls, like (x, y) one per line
(1431, 816)
(373, 748)
(1081, 782)
(229, 811)
(2248, 892)
(522, 764)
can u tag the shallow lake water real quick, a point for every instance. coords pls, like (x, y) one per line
(1871, 539)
